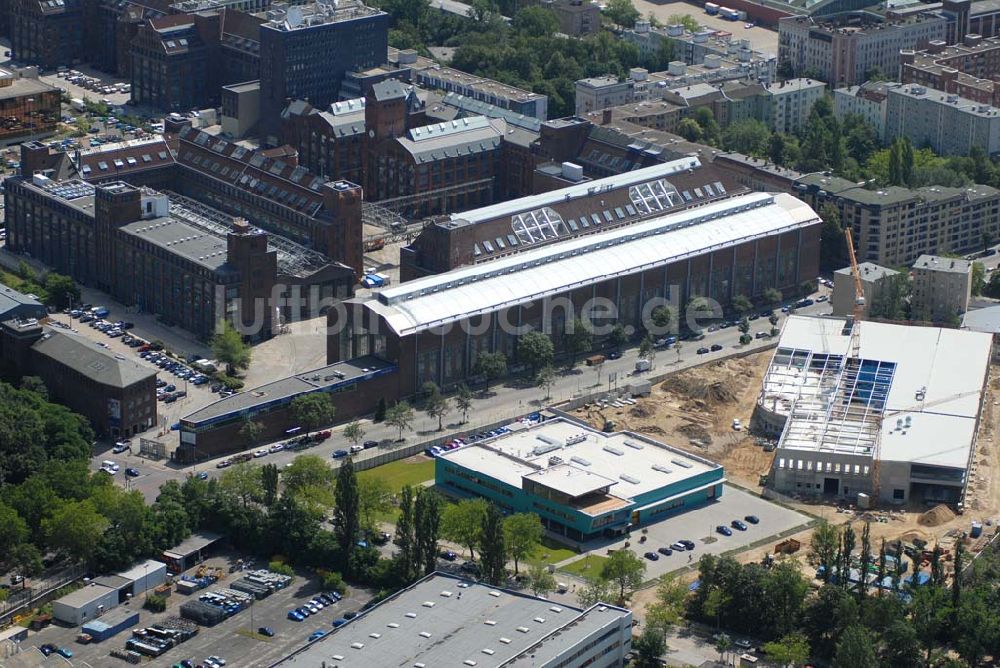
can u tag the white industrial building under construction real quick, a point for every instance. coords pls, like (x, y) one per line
(895, 418)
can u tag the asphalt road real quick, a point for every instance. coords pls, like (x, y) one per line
(501, 403)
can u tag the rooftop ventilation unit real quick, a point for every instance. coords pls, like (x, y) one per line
(681, 463)
(629, 479)
(578, 438)
(634, 445)
(613, 450)
(580, 460)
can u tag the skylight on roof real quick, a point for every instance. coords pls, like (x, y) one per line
(537, 225)
(652, 196)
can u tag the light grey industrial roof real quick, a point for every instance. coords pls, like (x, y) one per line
(83, 356)
(983, 320)
(24, 86)
(589, 188)
(443, 620)
(180, 238)
(345, 123)
(328, 376)
(869, 271)
(195, 542)
(452, 139)
(389, 89)
(948, 264)
(472, 105)
(81, 597)
(113, 581)
(142, 568)
(11, 299)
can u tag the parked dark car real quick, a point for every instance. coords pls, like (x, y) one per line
(370, 444)
(665, 551)
(688, 544)
(703, 351)
(752, 519)
(266, 631)
(652, 556)
(724, 530)
(736, 524)
(716, 347)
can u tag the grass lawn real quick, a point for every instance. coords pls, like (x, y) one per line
(401, 473)
(589, 566)
(549, 552)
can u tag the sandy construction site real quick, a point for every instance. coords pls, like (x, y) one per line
(694, 410)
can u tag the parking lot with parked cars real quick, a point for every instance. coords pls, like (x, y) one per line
(256, 636)
(733, 522)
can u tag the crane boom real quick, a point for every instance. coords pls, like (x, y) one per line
(855, 359)
(859, 295)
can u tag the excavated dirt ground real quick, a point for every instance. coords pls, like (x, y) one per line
(694, 410)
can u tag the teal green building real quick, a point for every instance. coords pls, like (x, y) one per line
(582, 483)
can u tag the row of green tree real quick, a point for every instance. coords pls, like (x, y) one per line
(944, 622)
(849, 147)
(524, 52)
(51, 288)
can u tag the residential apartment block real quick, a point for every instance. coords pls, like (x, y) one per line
(788, 103)
(603, 92)
(576, 17)
(942, 287)
(868, 100)
(968, 69)
(874, 280)
(894, 226)
(949, 124)
(843, 52)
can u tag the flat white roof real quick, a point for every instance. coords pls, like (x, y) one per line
(936, 383)
(142, 568)
(593, 459)
(571, 480)
(444, 298)
(443, 620)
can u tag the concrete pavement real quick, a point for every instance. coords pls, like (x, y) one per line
(502, 402)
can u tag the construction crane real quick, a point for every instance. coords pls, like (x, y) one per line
(859, 298)
(855, 357)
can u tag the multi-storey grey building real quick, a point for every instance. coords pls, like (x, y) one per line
(949, 124)
(306, 50)
(942, 288)
(868, 100)
(894, 226)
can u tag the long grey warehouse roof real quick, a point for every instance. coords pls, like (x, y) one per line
(447, 621)
(438, 300)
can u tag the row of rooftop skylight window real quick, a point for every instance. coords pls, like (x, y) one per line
(698, 220)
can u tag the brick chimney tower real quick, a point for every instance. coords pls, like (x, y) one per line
(342, 234)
